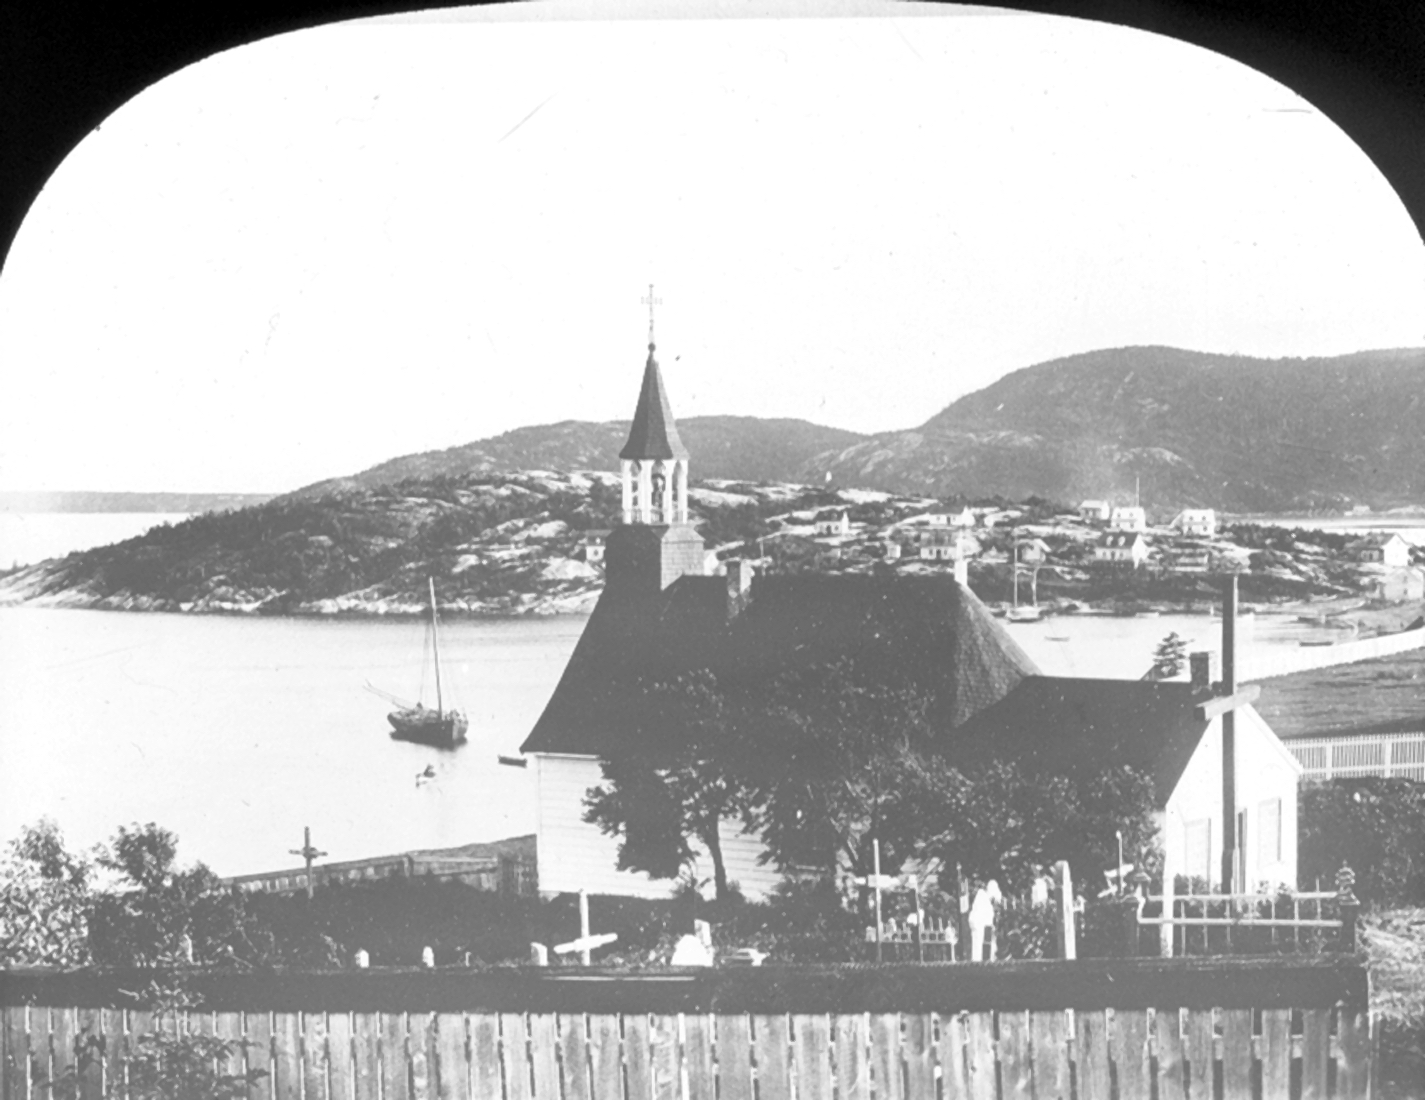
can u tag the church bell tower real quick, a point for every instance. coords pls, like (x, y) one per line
(655, 544)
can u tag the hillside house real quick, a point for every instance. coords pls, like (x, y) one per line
(1094, 511)
(591, 546)
(1198, 523)
(1382, 549)
(660, 615)
(1400, 585)
(833, 522)
(1032, 551)
(947, 544)
(1121, 548)
(1062, 726)
(1128, 518)
(965, 519)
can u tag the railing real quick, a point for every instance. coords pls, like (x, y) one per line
(1398, 755)
(1170, 1028)
(931, 940)
(1249, 923)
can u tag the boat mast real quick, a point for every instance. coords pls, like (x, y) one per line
(435, 641)
(1015, 569)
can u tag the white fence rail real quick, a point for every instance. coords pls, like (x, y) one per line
(1392, 755)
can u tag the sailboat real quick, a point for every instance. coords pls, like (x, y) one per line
(441, 728)
(1029, 613)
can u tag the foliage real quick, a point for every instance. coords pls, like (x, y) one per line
(1375, 826)
(165, 910)
(1001, 821)
(45, 900)
(1170, 658)
(159, 1065)
(1026, 931)
(659, 801)
(839, 764)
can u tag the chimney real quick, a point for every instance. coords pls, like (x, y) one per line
(1203, 670)
(739, 583)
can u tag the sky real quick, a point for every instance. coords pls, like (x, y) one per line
(301, 257)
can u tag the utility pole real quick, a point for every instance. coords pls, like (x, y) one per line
(308, 853)
(1229, 738)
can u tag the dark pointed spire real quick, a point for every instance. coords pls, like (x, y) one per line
(653, 434)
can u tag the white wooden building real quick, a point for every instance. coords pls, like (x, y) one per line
(1066, 726)
(661, 616)
(1200, 523)
(1128, 517)
(1121, 548)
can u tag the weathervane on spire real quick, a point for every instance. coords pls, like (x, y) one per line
(650, 302)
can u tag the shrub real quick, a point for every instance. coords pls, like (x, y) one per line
(1375, 826)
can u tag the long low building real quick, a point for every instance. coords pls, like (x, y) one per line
(505, 866)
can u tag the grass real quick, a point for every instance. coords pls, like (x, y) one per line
(1395, 941)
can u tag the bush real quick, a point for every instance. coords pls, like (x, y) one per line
(1374, 826)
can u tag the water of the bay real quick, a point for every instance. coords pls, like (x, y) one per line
(236, 732)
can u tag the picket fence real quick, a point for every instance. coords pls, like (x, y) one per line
(1130, 1029)
(1349, 756)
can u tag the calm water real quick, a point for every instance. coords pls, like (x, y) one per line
(28, 537)
(236, 732)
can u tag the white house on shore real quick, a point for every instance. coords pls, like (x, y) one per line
(1121, 548)
(1128, 517)
(1095, 511)
(1383, 549)
(1200, 523)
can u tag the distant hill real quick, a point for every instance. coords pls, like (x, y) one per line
(96, 501)
(1224, 431)
(734, 448)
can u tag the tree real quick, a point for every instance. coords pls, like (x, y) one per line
(840, 765)
(147, 923)
(1376, 826)
(45, 901)
(1169, 659)
(681, 785)
(1002, 821)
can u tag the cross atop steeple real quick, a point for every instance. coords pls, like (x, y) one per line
(650, 302)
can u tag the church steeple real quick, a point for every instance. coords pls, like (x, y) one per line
(654, 460)
(656, 543)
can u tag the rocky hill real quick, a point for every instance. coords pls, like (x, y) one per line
(1223, 431)
(495, 544)
(735, 448)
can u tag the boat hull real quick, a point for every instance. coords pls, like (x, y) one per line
(429, 727)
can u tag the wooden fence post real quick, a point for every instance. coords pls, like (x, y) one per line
(1065, 937)
(1349, 905)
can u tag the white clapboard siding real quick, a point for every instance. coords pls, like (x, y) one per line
(1266, 774)
(574, 855)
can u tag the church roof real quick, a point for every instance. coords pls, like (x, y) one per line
(1061, 725)
(653, 433)
(926, 633)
